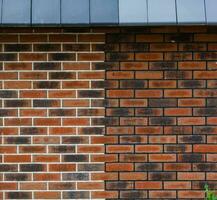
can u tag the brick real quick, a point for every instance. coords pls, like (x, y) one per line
(160, 176)
(33, 186)
(148, 167)
(192, 47)
(134, 65)
(148, 185)
(149, 56)
(119, 75)
(178, 112)
(149, 38)
(164, 65)
(18, 195)
(148, 93)
(46, 47)
(164, 194)
(178, 93)
(162, 84)
(18, 66)
(178, 75)
(76, 47)
(120, 93)
(133, 194)
(148, 148)
(47, 195)
(46, 66)
(76, 195)
(189, 65)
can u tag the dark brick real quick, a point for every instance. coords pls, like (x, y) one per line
(205, 167)
(8, 94)
(105, 66)
(119, 112)
(62, 112)
(44, 103)
(179, 37)
(75, 158)
(191, 158)
(162, 121)
(62, 75)
(75, 176)
(47, 47)
(47, 66)
(90, 94)
(47, 85)
(162, 176)
(206, 55)
(104, 121)
(119, 37)
(76, 47)
(18, 195)
(178, 148)
(193, 139)
(75, 140)
(133, 194)
(163, 66)
(62, 56)
(92, 131)
(8, 56)
(104, 84)
(62, 149)
(17, 47)
(118, 57)
(148, 167)
(179, 130)
(8, 168)
(17, 177)
(18, 140)
(162, 103)
(192, 84)
(32, 167)
(105, 47)
(76, 195)
(178, 75)
(134, 47)
(91, 167)
(148, 112)
(32, 131)
(131, 139)
(205, 130)
(118, 185)
(17, 103)
(7, 112)
(212, 102)
(133, 84)
(199, 185)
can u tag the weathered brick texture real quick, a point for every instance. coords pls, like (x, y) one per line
(161, 110)
(108, 113)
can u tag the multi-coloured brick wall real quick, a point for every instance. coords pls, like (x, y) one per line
(162, 112)
(108, 113)
(51, 107)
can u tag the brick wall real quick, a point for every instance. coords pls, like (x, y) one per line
(142, 124)
(51, 106)
(161, 111)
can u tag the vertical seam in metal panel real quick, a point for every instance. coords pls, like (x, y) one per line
(205, 11)
(147, 11)
(2, 12)
(89, 12)
(60, 12)
(118, 7)
(176, 7)
(31, 12)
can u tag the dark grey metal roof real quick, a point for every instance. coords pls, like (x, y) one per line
(107, 12)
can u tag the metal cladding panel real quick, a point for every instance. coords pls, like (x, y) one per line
(75, 12)
(211, 12)
(190, 11)
(46, 11)
(132, 11)
(16, 12)
(104, 11)
(0, 11)
(162, 11)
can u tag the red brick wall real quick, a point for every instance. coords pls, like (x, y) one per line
(142, 124)
(50, 108)
(161, 112)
